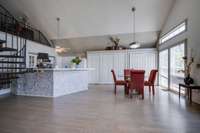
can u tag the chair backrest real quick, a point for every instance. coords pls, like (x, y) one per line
(137, 79)
(152, 76)
(114, 76)
(127, 72)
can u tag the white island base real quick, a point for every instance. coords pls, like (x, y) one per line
(53, 82)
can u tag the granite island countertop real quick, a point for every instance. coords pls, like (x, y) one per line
(64, 69)
(53, 82)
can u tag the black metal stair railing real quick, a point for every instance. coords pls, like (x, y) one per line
(11, 25)
(13, 36)
(12, 58)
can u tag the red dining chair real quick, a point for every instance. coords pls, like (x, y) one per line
(137, 81)
(117, 82)
(151, 81)
(127, 73)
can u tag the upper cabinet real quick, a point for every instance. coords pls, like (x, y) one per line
(104, 61)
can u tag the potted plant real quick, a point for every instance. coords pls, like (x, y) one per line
(76, 61)
(188, 80)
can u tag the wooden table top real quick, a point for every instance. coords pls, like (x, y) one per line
(192, 86)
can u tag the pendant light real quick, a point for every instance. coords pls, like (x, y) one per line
(59, 49)
(134, 44)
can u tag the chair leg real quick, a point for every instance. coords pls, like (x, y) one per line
(125, 90)
(131, 93)
(149, 89)
(142, 91)
(153, 89)
(115, 90)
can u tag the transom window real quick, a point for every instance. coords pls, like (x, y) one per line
(174, 32)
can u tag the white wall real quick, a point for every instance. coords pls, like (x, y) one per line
(187, 9)
(35, 48)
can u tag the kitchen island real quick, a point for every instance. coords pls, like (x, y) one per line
(53, 82)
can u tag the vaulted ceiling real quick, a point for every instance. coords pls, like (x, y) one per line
(93, 18)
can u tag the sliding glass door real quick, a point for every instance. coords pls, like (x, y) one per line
(163, 68)
(176, 65)
(170, 65)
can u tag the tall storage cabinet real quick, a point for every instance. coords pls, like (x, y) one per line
(143, 59)
(104, 61)
(94, 62)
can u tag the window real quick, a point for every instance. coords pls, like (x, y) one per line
(174, 32)
(170, 65)
(32, 62)
(163, 68)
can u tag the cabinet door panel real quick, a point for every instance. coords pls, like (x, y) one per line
(145, 61)
(105, 68)
(94, 62)
(120, 63)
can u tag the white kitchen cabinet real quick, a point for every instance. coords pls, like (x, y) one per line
(143, 59)
(94, 62)
(120, 62)
(106, 64)
(104, 61)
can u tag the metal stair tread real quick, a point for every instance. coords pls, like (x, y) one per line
(7, 49)
(12, 68)
(12, 62)
(3, 73)
(2, 41)
(11, 56)
(9, 78)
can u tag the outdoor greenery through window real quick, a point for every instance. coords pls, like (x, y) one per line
(174, 32)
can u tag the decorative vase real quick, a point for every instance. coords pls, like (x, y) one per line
(188, 80)
(73, 66)
(77, 66)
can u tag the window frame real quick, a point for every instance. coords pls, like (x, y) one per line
(185, 41)
(173, 30)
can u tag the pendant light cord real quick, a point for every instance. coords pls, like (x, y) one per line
(58, 27)
(133, 10)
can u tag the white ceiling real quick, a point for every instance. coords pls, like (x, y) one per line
(81, 18)
(86, 18)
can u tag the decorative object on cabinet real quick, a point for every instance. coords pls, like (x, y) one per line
(116, 42)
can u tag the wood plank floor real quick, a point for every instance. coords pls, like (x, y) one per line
(99, 111)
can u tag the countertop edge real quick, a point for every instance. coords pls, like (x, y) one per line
(65, 69)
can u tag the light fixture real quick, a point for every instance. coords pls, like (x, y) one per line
(134, 44)
(59, 49)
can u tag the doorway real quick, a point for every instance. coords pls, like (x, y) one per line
(171, 65)
(177, 65)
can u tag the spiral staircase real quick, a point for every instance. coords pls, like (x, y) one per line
(12, 51)
(13, 36)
